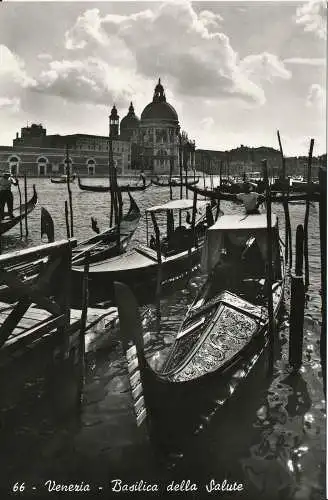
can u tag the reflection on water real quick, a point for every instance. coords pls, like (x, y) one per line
(271, 438)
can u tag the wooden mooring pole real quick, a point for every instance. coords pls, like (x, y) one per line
(25, 197)
(68, 173)
(288, 230)
(221, 168)
(306, 218)
(170, 179)
(323, 252)
(68, 232)
(297, 305)
(84, 316)
(269, 268)
(192, 235)
(159, 271)
(120, 211)
(20, 209)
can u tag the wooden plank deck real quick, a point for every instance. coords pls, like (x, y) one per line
(96, 319)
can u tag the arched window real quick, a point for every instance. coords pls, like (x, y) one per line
(70, 164)
(42, 163)
(13, 164)
(91, 166)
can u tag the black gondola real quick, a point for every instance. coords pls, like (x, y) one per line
(222, 337)
(97, 247)
(104, 245)
(173, 182)
(106, 189)
(62, 179)
(180, 251)
(19, 213)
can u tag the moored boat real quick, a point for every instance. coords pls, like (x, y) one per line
(105, 244)
(18, 213)
(222, 338)
(180, 251)
(174, 182)
(105, 189)
(62, 179)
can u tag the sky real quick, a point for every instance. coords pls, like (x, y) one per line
(235, 72)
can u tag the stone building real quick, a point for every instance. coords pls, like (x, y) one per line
(153, 143)
(37, 154)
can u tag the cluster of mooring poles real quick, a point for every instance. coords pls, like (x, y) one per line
(299, 286)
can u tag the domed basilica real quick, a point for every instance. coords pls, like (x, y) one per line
(155, 137)
(152, 143)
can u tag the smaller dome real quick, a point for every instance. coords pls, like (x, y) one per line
(130, 121)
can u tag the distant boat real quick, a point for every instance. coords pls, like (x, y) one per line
(19, 213)
(105, 189)
(173, 182)
(62, 179)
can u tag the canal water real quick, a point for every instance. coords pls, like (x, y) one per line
(270, 443)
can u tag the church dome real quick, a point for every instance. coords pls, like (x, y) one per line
(159, 109)
(130, 121)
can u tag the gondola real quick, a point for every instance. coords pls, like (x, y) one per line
(174, 182)
(276, 196)
(106, 189)
(19, 213)
(105, 245)
(62, 180)
(98, 247)
(304, 187)
(179, 252)
(222, 338)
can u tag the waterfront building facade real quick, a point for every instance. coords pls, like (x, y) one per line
(153, 143)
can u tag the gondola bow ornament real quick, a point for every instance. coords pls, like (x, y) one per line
(47, 225)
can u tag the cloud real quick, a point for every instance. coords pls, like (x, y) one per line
(312, 15)
(89, 80)
(12, 70)
(10, 104)
(173, 41)
(44, 57)
(316, 61)
(316, 97)
(264, 67)
(207, 123)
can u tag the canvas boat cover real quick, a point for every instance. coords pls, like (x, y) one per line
(183, 204)
(238, 228)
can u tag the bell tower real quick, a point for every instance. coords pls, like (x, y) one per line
(114, 120)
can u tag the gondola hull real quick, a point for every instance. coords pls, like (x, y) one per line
(106, 189)
(223, 338)
(180, 403)
(174, 183)
(61, 180)
(138, 270)
(105, 244)
(19, 213)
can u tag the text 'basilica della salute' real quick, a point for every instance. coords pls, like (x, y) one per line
(153, 143)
